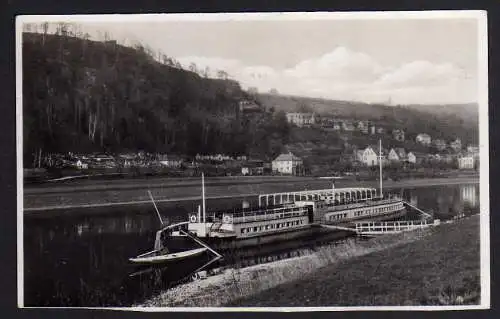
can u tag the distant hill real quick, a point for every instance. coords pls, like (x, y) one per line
(440, 121)
(85, 96)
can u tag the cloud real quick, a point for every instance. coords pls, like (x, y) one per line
(348, 75)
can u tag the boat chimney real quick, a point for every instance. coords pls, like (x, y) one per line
(333, 192)
(203, 196)
(380, 167)
(199, 214)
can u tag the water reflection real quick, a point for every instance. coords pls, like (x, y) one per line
(82, 260)
(469, 195)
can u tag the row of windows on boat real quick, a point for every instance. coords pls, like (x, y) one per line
(290, 210)
(255, 229)
(362, 212)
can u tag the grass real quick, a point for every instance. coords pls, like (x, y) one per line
(236, 284)
(440, 269)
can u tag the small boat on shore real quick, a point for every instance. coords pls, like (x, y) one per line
(156, 257)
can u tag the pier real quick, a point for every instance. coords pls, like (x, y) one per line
(341, 195)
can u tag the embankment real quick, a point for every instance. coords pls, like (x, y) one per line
(438, 266)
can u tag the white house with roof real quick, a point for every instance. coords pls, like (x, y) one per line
(397, 154)
(466, 161)
(367, 156)
(300, 119)
(424, 139)
(287, 164)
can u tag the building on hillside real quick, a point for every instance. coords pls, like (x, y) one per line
(288, 164)
(337, 126)
(397, 154)
(439, 144)
(367, 156)
(362, 126)
(416, 158)
(423, 139)
(398, 134)
(466, 161)
(301, 119)
(380, 130)
(247, 106)
(372, 129)
(456, 145)
(347, 126)
(472, 149)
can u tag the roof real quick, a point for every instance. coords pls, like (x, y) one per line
(287, 157)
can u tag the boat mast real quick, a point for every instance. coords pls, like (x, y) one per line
(203, 195)
(380, 167)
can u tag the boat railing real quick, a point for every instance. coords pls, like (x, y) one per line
(270, 216)
(363, 204)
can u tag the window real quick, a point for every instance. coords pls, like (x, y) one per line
(255, 229)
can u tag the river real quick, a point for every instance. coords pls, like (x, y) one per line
(80, 259)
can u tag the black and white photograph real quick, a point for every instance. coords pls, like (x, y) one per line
(253, 161)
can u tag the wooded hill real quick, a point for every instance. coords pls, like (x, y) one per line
(90, 96)
(98, 96)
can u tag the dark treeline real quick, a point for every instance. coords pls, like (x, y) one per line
(98, 96)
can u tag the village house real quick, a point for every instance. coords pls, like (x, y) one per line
(439, 144)
(416, 158)
(380, 130)
(347, 126)
(218, 157)
(363, 126)
(288, 164)
(171, 161)
(456, 145)
(466, 161)
(399, 135)
(372, 129)
(423, 139)
(253, 167)
(472, 149)
(397, 155)
(301, 119)
(367, 156)
(247, 106)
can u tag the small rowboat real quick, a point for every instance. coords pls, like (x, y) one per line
(154, 257)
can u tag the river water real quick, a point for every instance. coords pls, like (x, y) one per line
(80, 258)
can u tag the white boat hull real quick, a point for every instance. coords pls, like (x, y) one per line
(154, 258)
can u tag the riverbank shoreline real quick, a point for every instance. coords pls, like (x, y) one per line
(49, 199)
(264, 285)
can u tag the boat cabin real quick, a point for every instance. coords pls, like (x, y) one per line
(249, 222)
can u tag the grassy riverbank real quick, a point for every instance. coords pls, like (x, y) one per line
(441, 269)
(67, 196)
(438, 266)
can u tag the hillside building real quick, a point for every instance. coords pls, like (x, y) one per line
(456, 145)
(423, 139)
(398, 135)
(466, 161)
(439, 144)
(397, 155)
(301, 119)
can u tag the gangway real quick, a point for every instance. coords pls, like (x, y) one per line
(381, 228)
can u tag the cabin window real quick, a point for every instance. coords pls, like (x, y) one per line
(255, 229)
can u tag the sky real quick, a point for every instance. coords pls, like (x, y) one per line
(422, 60)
